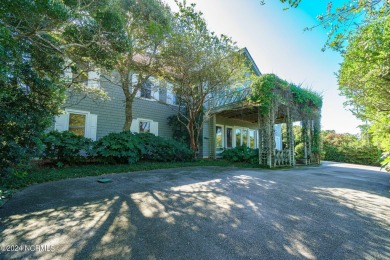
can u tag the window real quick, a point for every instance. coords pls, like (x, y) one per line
(245, 137)
(146, 90)
(77, 124)
(171, 98)
(144, 127)
(82, 123)
(82, 73)
(252, 138)
(238, 137)
(218, 137)
(229, 137)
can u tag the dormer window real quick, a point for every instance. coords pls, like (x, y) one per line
(82, 73)
(146, 90)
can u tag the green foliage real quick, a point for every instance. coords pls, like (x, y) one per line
(268, 89)
(123, 147)
(155, 148)
(30, 94)
(299, 151)
(364, 78)
(199, 63)
(179, 131)
(32, 90)
(306, 97)
(127, 147)
(350, 149)
(262, 90)
(65, 147)
(241, 154)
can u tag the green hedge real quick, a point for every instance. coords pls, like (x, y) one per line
(65, 147)
(241, 154)
(121, 147)
(363, 154)
(125, 147)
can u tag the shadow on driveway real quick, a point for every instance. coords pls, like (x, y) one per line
(332, 211)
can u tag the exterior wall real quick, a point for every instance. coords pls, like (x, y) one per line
(111, 114)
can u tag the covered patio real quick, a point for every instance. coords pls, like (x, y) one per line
(268, 102)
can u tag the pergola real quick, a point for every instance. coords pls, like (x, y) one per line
(271, 101)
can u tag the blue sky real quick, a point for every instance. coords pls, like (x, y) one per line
(278, 44)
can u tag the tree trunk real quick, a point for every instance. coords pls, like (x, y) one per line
(128, 114)
(191, 132)
(129, 98)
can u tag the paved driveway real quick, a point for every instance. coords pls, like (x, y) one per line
(336, 211)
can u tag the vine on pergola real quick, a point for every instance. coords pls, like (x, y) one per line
(275, 96)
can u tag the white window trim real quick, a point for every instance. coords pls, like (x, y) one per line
(90, 122)
(79, 112)
(74, 111)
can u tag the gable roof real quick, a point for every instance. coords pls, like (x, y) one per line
(253, 64)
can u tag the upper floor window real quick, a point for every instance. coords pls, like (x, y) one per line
(82, 73)
(146, 90)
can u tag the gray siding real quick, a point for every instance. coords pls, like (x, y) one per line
(111, 114)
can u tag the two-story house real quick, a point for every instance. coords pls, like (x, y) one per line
(153, 104)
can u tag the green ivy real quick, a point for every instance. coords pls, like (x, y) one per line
(268, 88)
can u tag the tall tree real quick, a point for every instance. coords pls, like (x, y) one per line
(364, 77)
(32, 58)
(199, 65)
(31, 90)
(132, 35)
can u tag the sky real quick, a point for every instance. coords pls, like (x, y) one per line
(278, 44)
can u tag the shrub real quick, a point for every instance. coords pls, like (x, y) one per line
(155, 148)
(299, 151)
(127, 147)
(65, 147)
(123, 147)
(241, 154)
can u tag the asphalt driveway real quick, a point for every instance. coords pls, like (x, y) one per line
(336, 211)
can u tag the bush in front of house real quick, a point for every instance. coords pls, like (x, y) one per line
(65, 147)
(128, 147)
(155, 148)
(123, 147)
(241, 154)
